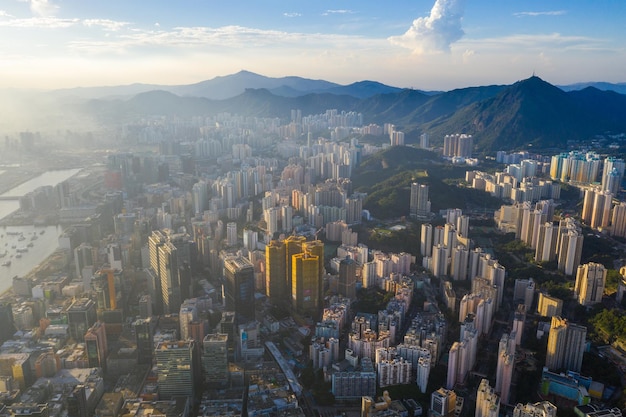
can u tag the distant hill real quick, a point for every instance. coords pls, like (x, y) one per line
(224, 87)
(534, 112)
(616, 87)
(528, 112)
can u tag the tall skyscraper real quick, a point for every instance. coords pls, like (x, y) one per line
(426, 239)
(566, 344)
(305, 293)
(144, 341)
(618, 220)
(613, 174)
(293, 245)
(96, 344)
(316, 248)
(239, 286)
(419, 204)
(276, 270)
(590, 282)
(347, 278)
(215, 359)
(168, 274)
(175, 369)
(505, 366)
(231, 234)
(81, 315)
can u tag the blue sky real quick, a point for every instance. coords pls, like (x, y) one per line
(426, 44)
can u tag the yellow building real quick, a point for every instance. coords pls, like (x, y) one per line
(548, 306)
(304, 283)
(276, 270)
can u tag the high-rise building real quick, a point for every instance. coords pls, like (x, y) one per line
(590, 282)
(96, 344)
(419, 204)
(426, 239)
(175, 370)
(505, 366)
(613, 174)
(231, 234)
(316, 248)
(618, 220)
(144, 341)
(347, 278)
(168, 276)
(106, 283)
(215, 359)
(601, 213)
(239, 286)
(81, 315)
(566, 344)
(442, 402)
(525, 291)
(548, 306)
(276, 270)
(304, 283)
(487, 401)
(569, 245)
(293, 245)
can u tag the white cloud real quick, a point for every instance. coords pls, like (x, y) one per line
(337, 11)
(539, 42)
(4, 14)
(292, 14)
(106, 24)
(436, 32)
(534, 14)
(39, 22)
(205, 38)
(42, 8)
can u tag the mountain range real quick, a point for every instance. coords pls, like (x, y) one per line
(530, 112)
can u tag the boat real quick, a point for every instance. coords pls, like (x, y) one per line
(33, 237)
(21, 238)
(22, 249)
(6, 263)
(42, 232)
(30, 244)
(18, 256)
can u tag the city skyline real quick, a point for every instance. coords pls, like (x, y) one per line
(431, 45)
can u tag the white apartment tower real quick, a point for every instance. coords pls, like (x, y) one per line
(590, 282)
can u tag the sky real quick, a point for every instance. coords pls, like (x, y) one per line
(424, 44)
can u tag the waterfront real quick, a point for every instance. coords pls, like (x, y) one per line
(47, 178)
(25, 247)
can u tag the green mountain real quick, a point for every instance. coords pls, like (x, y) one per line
(529, 112)
(386, 177)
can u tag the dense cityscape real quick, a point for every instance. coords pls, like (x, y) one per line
(246, 266)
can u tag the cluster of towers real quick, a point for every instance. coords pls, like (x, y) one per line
(294, 273)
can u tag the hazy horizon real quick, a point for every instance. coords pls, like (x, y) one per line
(428, 45)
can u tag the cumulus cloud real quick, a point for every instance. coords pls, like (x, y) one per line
(533, 14)
(436, 32)
(292, 14)
(42, 8)
(4, 14)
